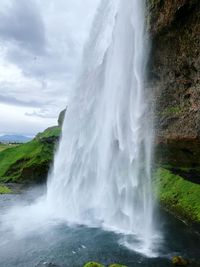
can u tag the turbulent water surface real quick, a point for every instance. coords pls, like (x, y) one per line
(68, 246)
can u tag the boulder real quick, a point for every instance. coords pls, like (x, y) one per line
(93, 264)
(179, 261)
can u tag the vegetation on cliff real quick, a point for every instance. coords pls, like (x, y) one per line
(54, 132)
(27, 162)
(30, 162)
(174, 67)
(178, 195)
(6, 146)
(174, 77)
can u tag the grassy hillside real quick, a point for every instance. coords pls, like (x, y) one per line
(29, 162)
(5, 146)
(49, 132)
(178, 194)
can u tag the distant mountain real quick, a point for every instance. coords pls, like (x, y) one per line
(14, 139)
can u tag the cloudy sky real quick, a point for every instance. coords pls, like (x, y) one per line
(41, 42)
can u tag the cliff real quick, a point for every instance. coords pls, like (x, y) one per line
(174, 76)
(175, 67)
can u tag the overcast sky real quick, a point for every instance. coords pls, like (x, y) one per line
(41, 42)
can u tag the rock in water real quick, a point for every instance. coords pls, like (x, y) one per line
(179, 261)
(93, 264)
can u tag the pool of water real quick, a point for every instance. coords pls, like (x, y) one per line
(69, 246)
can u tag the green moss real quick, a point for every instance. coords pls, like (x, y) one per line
(175, 110)
(178, 195)
(93, 264)
(5, 190)
(179, 261)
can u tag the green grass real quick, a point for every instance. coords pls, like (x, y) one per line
(6, 146)
(29, 162)
(178, 195)
(54, 131)
(16, 163)
(5, 190)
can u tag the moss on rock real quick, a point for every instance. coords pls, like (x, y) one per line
(5, 190)
(179, 261)
(178, 195)
(93, 264)
(174, 68)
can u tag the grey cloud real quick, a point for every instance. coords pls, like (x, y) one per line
(52, 65)
(43, 39)
(22, 23)
(42, 114)
(46, 95)
(16, 102)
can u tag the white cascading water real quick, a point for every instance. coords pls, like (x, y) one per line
(102, 169)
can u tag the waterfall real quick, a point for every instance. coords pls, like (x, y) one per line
(102, 169)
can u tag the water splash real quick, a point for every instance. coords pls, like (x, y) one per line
(102, 169)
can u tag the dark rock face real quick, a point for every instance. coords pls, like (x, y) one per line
(61, 117)
(175, 67)
(175, 74)
(164, 12)
(179, 153)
